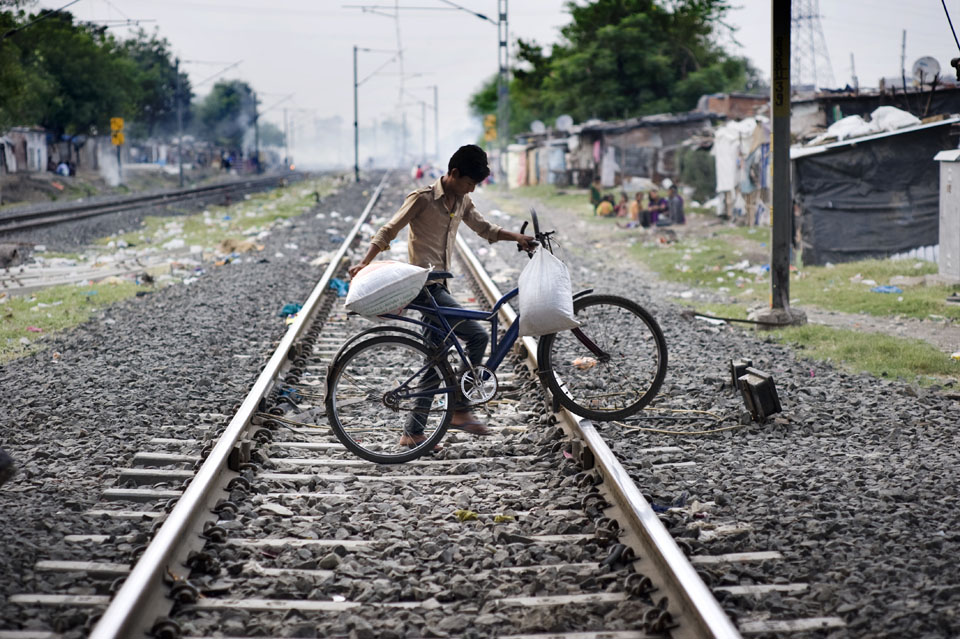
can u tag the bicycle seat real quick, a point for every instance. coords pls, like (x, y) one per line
(439, 275)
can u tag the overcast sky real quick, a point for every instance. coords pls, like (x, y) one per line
(305, 47)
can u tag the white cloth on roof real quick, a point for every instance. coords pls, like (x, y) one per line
(888, 118)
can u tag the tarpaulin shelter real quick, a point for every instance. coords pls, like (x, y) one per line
(872, 196)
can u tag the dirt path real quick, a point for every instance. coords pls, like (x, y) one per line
(615, 242)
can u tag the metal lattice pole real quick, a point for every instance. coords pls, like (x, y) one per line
(810, 60)
(503, 89)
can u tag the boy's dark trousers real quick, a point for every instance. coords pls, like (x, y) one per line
(472, 334)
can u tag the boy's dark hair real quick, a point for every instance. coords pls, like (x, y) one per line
(471, 161)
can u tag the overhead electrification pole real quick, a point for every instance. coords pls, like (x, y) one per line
(356, 126)
(503, 88)
(436, 125)
(782, 198)
(176, 97)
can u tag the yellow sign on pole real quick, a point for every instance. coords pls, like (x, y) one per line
(490, 127)
(116, 125)
(117, 138)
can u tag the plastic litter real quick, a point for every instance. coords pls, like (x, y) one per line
(466, 515)
(289, 309)
(340, 287)
(34, 329)
(886, 289)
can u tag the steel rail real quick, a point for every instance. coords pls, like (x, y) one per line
(687, 593)
(18, 220)
(124, 617)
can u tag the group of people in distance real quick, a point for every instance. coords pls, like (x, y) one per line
(659, 210)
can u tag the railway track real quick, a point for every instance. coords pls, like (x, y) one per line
(33, 217)
(267, 527)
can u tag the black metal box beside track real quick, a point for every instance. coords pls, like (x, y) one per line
(759, 394)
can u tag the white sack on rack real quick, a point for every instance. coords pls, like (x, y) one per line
(546, 296)
(384, 287)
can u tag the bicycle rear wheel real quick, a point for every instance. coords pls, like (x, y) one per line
(383, 388)
(609, 368)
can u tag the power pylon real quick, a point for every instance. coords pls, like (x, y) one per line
(809, 58)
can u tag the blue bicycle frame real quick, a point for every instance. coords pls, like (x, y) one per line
(498, 350)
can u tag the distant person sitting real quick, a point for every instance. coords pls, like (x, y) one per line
(636, 207)
(675, 205)
(623, 206)
(606, 208)
(656, 206)
(595, 196)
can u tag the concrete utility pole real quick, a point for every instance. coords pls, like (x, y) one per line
(286, 147)
(436, 125)
(503, 88)
(782, 214)
(179, 123)
(256, 133)
(356, 129)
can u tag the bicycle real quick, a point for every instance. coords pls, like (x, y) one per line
(608, 368)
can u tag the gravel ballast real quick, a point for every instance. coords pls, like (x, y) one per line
(181, 356)
(853, 482)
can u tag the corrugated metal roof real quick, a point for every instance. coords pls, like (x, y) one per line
(804, 151)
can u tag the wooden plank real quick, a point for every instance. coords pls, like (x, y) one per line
(791, 625)
(92, 567)
(142, 495)
(60, 600)
(563, 600)
(735, 558)
(761, 589)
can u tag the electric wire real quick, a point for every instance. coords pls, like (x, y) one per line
(950, 22)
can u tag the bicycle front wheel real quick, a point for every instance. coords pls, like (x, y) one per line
(390, 399)
(610, 367)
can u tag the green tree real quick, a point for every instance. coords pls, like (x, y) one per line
(83, 76)
(622, 58)
(270, 134)
(226, 114)
(156, 77)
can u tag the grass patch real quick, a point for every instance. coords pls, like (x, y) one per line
(713, 263)
(873, 353)
(51, 310)
(237, 221)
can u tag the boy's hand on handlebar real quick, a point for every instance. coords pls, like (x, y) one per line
(526, 243)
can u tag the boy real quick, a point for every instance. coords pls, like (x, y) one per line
(434, 213)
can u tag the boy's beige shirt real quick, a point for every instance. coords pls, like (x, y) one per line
(433, 228)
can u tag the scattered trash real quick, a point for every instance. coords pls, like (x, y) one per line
(584, 363)
(956, 356)
(89, 293)
(954, 299)
(466, 515)
(289, 309)
(144, 293)
(232, 245)
(176, 243)
(340, 287)
(34, 329)
(337, 239)
(501, 519)
(885, 289)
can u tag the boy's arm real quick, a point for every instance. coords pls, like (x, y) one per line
(526, 242)
(381, 241)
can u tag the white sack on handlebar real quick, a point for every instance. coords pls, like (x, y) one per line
(384, 287)
(546, 296)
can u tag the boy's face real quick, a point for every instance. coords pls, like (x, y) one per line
(459, 185)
